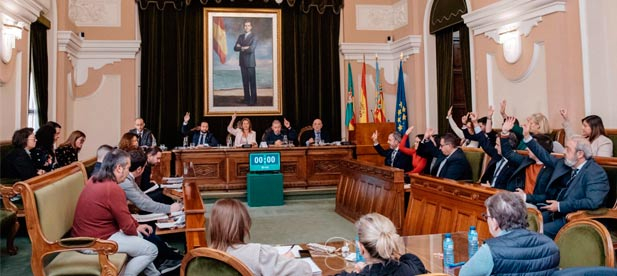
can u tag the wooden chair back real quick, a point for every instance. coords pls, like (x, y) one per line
(476, 158)
(208, 261)
(195, 215)
(50, 201)
(585, 243)
(365, 188)
(302, 131)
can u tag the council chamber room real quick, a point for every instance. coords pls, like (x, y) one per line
(308, 137)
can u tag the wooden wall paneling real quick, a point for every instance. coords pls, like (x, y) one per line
(323, 165)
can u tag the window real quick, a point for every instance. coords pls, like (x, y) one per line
(33, 109)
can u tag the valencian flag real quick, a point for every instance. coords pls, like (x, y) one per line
(219, 38)
(378, 115)
(363, 102)
(401, 103)
(350, 117)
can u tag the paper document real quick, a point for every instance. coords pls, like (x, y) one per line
(172, 186)
(150, 217)
(171, 180)
(153, 188)
(316, 270)
(166, 225)
(285, 248)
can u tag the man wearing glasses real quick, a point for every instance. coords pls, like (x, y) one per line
(449, 160)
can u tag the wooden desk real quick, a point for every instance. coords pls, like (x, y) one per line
(429, 248)
(225, 169)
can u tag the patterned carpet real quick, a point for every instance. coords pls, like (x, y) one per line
(298, 221)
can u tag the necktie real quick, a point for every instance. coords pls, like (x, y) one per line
(392, 158)
(574, 173)
(317, 135)
(502, 163)
(201, 139)
(441, 166)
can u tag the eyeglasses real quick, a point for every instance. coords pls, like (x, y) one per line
(443, 145)
(486, 216)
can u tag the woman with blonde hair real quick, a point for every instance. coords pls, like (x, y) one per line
(381, 247)
(68, 151)
(230, 225)
(244, 133)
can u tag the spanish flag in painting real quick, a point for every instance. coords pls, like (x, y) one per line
(220, 38)
(401, 103)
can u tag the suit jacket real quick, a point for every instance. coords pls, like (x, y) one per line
(271, 138)
(209, 139)
(247, 57)
(456, 167)
(586, 191)
(325, 137)
(18, 164)
(501, 181)
(146, 139)
(401, 160)
(541, 191)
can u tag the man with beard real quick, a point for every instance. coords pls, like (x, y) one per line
(583, 184)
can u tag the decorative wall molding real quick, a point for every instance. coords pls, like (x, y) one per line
(389, 54)
(95, 13)
(381, 17)
(506, 21)
(26, 11)
(85, 54)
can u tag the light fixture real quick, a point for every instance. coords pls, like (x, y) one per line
(278, 1)
(511, 43)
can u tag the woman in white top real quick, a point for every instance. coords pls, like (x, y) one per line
(229, 227)
(244, 134)
(593, 130)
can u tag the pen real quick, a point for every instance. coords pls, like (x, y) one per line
(292, 246)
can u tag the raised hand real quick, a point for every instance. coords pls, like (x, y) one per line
(474, 117)
(233, 117)
(490, 111)
(526, 128)
(564, 114)
(187, 117)
(286, 123)
(428, 134)
(374, 137)
(409, 130)
(464, 119)
(502, 109)
(508, 124)
(450, 112)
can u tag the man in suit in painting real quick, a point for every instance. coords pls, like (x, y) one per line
(245, 45)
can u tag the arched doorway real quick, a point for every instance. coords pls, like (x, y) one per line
(453, 60)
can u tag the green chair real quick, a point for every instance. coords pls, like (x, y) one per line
(585, 243)
(208, 261)
(475, 157)
(8, 227)
(535, 221)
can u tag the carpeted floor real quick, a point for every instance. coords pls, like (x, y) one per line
(298, 221)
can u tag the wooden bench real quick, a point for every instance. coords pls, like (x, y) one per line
(365, 188)
(438, 205)
(195, 214)
(49, 203)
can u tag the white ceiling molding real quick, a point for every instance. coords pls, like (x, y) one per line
(26, 11)
(505, 21)
(95, 54)
(388, 54)
(381, 17)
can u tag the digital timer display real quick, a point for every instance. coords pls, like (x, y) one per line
(265, 161)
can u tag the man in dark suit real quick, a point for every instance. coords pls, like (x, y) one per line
(144, 135)
(201, 137)
(315, 135)
(394, 157)
(499, 169)
(450, 159)
(582, 183)
(276, 134)
(246, 44)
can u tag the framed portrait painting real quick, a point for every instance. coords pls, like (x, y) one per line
(242, 61)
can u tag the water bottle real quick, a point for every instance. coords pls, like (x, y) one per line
(185, 142)
(317, 141)
(345, 250)
(448, 251)
(359, 257)
(229, 141)
(472, 241)
(285, 141)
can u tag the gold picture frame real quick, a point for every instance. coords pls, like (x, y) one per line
(234, 41)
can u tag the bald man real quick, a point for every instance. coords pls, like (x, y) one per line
(144, 135)
(317, 133)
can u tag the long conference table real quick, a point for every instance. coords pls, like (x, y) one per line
(225, 169)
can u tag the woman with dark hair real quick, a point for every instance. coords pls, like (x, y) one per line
(67, 152)
(381, 248)
(43, 155)
(128, 142)
(418, 162)
(593, 130)
(229, 226)
(18, 162)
